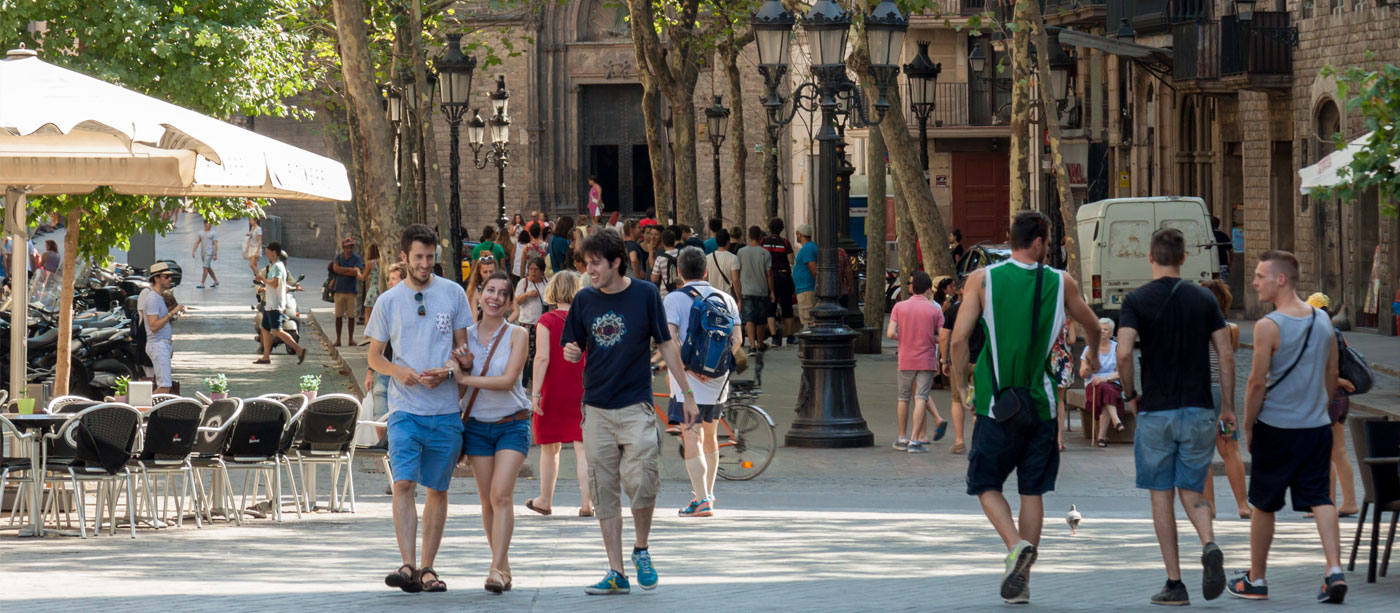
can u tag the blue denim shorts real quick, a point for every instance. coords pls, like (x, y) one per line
(424, 448)
(483, 439)
(381, 395)
(1174, 448)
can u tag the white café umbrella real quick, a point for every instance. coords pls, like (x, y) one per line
(1326, 172)
(62, 132)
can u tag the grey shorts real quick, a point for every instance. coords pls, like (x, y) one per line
(915, 384)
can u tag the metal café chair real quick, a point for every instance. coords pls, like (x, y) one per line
(16, 464)
(256, 446)
(168, 439)
(328, 437)
(103, 438)
(372, 452)
(69, 404)
(214, 432)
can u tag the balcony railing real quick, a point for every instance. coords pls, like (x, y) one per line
(1257, 47)
(958, 105)
(1196, 50)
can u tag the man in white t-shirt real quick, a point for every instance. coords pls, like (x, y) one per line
(722, 265)
(710, 394)
(156, 316)
(276, 299)
(209, 239)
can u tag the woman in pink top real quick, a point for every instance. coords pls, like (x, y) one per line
(915, 323)
(595, 199)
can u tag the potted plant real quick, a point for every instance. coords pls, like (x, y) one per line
(119, 389)
(218, 386)
(309, 386)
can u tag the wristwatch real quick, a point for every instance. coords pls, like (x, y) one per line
(1130, 396)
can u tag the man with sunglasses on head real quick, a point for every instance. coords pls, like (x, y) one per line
(429, 314)
(157, 317)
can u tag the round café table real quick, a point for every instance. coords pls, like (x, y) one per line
(39, 423)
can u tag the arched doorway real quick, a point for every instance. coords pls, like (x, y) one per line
(1327, 216)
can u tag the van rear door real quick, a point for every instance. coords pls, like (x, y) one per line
(1125, 267)
(1190, 218)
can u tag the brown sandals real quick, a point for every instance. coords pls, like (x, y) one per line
(498, 581)
(530, 504)
(411, 583)
(435, 584)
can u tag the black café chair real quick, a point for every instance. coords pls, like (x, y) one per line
(215, 430)
(103, 438)
(328, 437)
(256, 446)
(1379, 462)
(172, 428)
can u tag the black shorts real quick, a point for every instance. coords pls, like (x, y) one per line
(675, 414)
(755, 310)
(996, 450)
(272, 320)
(784, 293)
(1298, 460)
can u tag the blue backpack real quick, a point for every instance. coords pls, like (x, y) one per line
(709, 336)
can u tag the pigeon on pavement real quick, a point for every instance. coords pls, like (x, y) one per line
(1073, 519)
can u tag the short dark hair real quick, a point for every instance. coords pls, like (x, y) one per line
(921, 282)
(775, 225)
(535, 261)
(755, 233)
(721, 237)
(668, 238)
(593, 178)
(716, 224)
(609, 246)
(523, 237)
(564, 227)
(275, 246)
(691, 263)
(1284, 263)
(684, 229)
(535, 229)
(488, 232)
(417, 233)
(1028, 226)
(1168, 247)
(1214, 222)
(651, 212)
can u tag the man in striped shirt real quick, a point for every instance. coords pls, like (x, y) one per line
(1003, 299)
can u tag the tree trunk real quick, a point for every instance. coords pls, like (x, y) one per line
(374, 147)
(904, 229)
(426, 153)
(738, 179)
(687, 190)
(63, 368)
(351, 214)
(673, 69)
(1068, 206)
(1020, 110)
(875, 231)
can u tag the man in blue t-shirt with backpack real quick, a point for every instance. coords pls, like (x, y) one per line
(705, 323)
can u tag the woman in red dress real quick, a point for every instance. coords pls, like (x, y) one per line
(557, 396)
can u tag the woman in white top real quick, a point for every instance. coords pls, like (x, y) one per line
(252, 244)
(517, 263)
(1102, 391)
(529, 305)
(497, 414)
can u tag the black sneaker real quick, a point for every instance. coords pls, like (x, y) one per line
(1334, 589)
(1173, 594)
(1212, 572)
(777, 341)
(792, 340)
(1241, 587)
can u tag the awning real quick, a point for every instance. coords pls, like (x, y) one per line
(1327, 171)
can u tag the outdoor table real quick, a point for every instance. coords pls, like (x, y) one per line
(39, 422)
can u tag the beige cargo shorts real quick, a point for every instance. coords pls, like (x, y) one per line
(624, 454)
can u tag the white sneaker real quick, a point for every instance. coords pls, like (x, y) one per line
(901, 445)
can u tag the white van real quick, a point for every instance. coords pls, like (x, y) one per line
(1115, 237)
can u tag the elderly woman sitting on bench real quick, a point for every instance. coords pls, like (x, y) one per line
(1102, 391)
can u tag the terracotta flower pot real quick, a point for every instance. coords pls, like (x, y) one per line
(310, 394)
(218, 395)
(121, 399)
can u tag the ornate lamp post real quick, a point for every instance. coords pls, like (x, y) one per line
(922, 86)
(500, 144)
(828, 405)
(670, 127)
(456, 88)
(718, 119)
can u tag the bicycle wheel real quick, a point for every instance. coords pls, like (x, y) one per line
(747, 442)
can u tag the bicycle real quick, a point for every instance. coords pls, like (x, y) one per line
(747, 436)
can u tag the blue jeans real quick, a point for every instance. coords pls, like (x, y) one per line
(1174, 448)
(381, 395)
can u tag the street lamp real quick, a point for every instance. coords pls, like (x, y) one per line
(455, 88)
(1125, 32)
(1244, 10)
(1060, 65)
(922, 85)
(718, 118)
(828, 405)
(499, 154)
(667, 123)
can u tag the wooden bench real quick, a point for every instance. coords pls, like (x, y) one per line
(1075, 398)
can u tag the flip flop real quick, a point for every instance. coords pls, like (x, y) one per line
(530, 504)
(1103, 442)
(941, 430)
(583, 513)
(301, 357)
(262, 361)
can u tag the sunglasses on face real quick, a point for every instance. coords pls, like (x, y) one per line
(422, 310)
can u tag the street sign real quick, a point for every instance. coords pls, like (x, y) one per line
(940, 181)
(1124, 180)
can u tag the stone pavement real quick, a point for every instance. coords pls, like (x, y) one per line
(820, 530)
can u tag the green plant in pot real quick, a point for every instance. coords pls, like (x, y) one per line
(119, 389)
(310, 384)
(218, 386)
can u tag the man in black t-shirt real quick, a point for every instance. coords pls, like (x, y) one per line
(615, 322)
(1177, 322)
(945, 335)
(784, 292)
(1224, 244)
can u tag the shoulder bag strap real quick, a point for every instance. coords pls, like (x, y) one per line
(467, 412)
(1307, 336)
(715, 259)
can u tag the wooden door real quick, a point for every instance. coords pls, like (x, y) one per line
(614, 147)
(981, 197)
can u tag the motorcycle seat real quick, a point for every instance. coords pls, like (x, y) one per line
(103, 322)
(101, 334)
(44, 340)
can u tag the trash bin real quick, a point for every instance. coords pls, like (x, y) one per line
(272, 229)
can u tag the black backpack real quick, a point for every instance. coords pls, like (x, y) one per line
(668, 278)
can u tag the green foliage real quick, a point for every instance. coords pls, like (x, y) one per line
(218, 384)
(119, 387)
(310, 383)
(1375, 96)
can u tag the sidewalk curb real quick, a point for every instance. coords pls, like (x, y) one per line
(337, 361)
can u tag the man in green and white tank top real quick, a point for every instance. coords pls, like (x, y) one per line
(1001, 300)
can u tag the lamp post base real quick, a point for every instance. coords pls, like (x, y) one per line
(828, 406)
